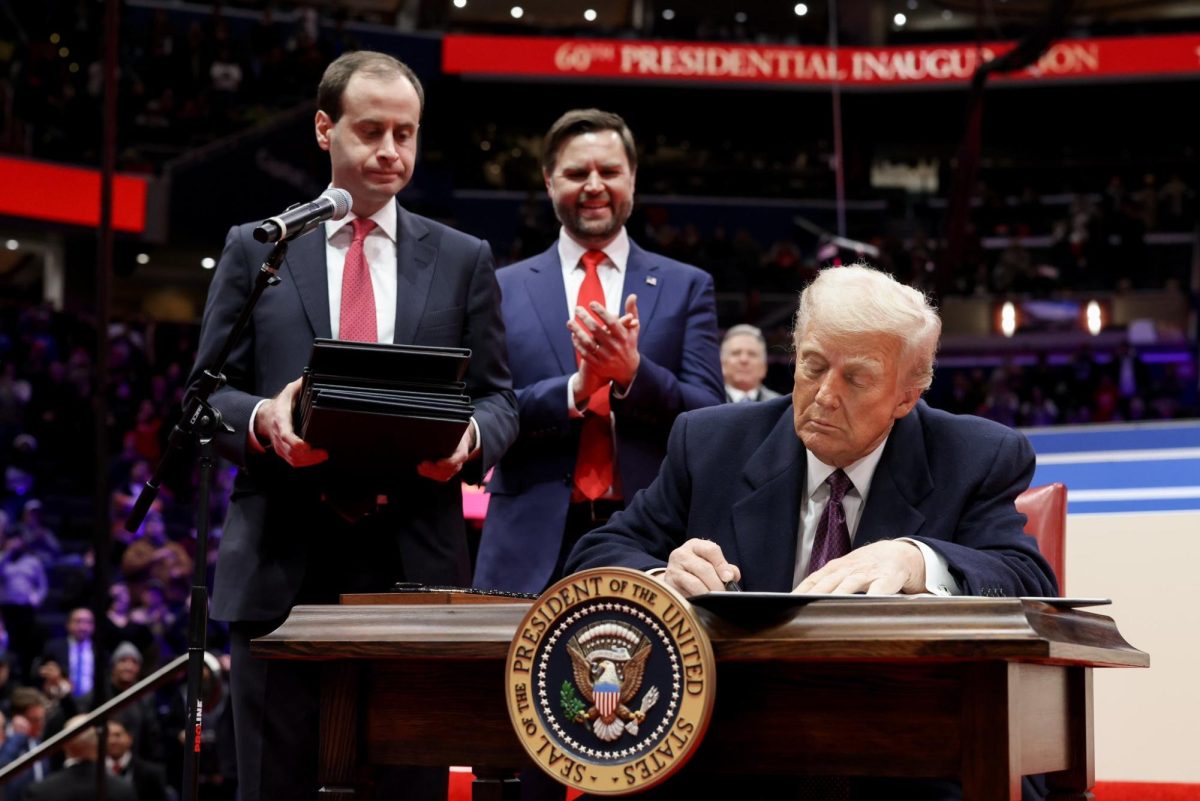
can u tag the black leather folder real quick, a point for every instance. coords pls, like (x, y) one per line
(382, 408)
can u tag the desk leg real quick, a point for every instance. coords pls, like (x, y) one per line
(1075, 783)
(989, 741)
(495, 784)
(337, 771)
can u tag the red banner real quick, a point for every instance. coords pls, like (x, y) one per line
(41, 191)
(927, 65)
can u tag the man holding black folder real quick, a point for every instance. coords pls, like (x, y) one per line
(608, 343)
(295, 533)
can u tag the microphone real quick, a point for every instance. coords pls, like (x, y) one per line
(333, 204)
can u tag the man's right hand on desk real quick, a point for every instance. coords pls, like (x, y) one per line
(697, 567)
(273, 428)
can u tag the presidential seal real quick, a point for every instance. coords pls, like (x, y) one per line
(610, 681)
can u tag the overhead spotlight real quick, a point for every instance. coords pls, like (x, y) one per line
(63, 52)
(740, 17)
(590, 15)
(801, 10)
(73, 68)
(55, 38)
(668, 14)
(517, 12)
(900, 20)
(12, 244)
(1008, 318)
(208, 262)
(460, 3)
(142, 258)
(947, 14)
(1095, 318)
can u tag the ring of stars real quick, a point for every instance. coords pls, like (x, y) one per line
(547, 708)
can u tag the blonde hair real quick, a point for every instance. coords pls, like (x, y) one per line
(858, 299)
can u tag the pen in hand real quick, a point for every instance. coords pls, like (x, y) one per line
(732, 586)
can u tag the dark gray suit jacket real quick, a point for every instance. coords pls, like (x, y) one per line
(446, 296)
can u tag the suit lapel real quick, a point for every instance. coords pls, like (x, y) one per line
(641, 279)
(766, 522)
(902, 480)
(548, 298)
(306, 268)
(415, 260)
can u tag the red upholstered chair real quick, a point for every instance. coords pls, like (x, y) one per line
(1046, 508)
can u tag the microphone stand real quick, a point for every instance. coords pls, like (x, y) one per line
(199, 424)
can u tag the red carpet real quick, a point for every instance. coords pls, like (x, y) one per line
(1146, 791)
(460, 790)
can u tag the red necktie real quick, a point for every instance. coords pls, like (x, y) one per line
(357, 321)
(594, 464)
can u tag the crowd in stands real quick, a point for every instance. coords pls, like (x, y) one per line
(47, 563)
(183, 79)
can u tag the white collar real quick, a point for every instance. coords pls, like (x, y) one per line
(385, 220)
(861, 473)
(570, 251)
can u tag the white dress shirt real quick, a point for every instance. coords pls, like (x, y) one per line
(938, 579)
(379, 249)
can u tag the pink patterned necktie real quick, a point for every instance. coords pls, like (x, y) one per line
(833, 534)
(357, 320)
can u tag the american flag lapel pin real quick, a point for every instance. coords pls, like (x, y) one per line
(652, 280)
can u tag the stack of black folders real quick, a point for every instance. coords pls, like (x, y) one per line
(380, 406)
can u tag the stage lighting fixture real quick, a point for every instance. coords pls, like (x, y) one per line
(590, 15)
(460, 3)
(517, 12)
(668, 14)
(899, 20)
(12, 244)
(800, 9)
(208, 262)
(1008, 318)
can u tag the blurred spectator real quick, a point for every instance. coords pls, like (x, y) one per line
(76, 780)
(72, 654)
(118, 626)
(140, 718)
(147, 779)
(26, 724)
(40, 540)
(744, 364)
(154, 557)
(167, 629)
(23, 588)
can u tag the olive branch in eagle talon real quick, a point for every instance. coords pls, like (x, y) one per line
(572, 707)
(609, 677)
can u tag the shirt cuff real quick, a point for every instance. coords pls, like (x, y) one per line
(938, 579)
(251, 438)
(621, 394)
(573, 411)
(478, 440)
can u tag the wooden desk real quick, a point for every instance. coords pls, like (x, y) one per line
(982, 689)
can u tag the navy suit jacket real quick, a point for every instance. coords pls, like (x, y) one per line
(680, 370)
(734, 475)
(446, 296)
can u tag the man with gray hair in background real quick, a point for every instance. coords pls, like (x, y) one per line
(744, 364)
(851, 485)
